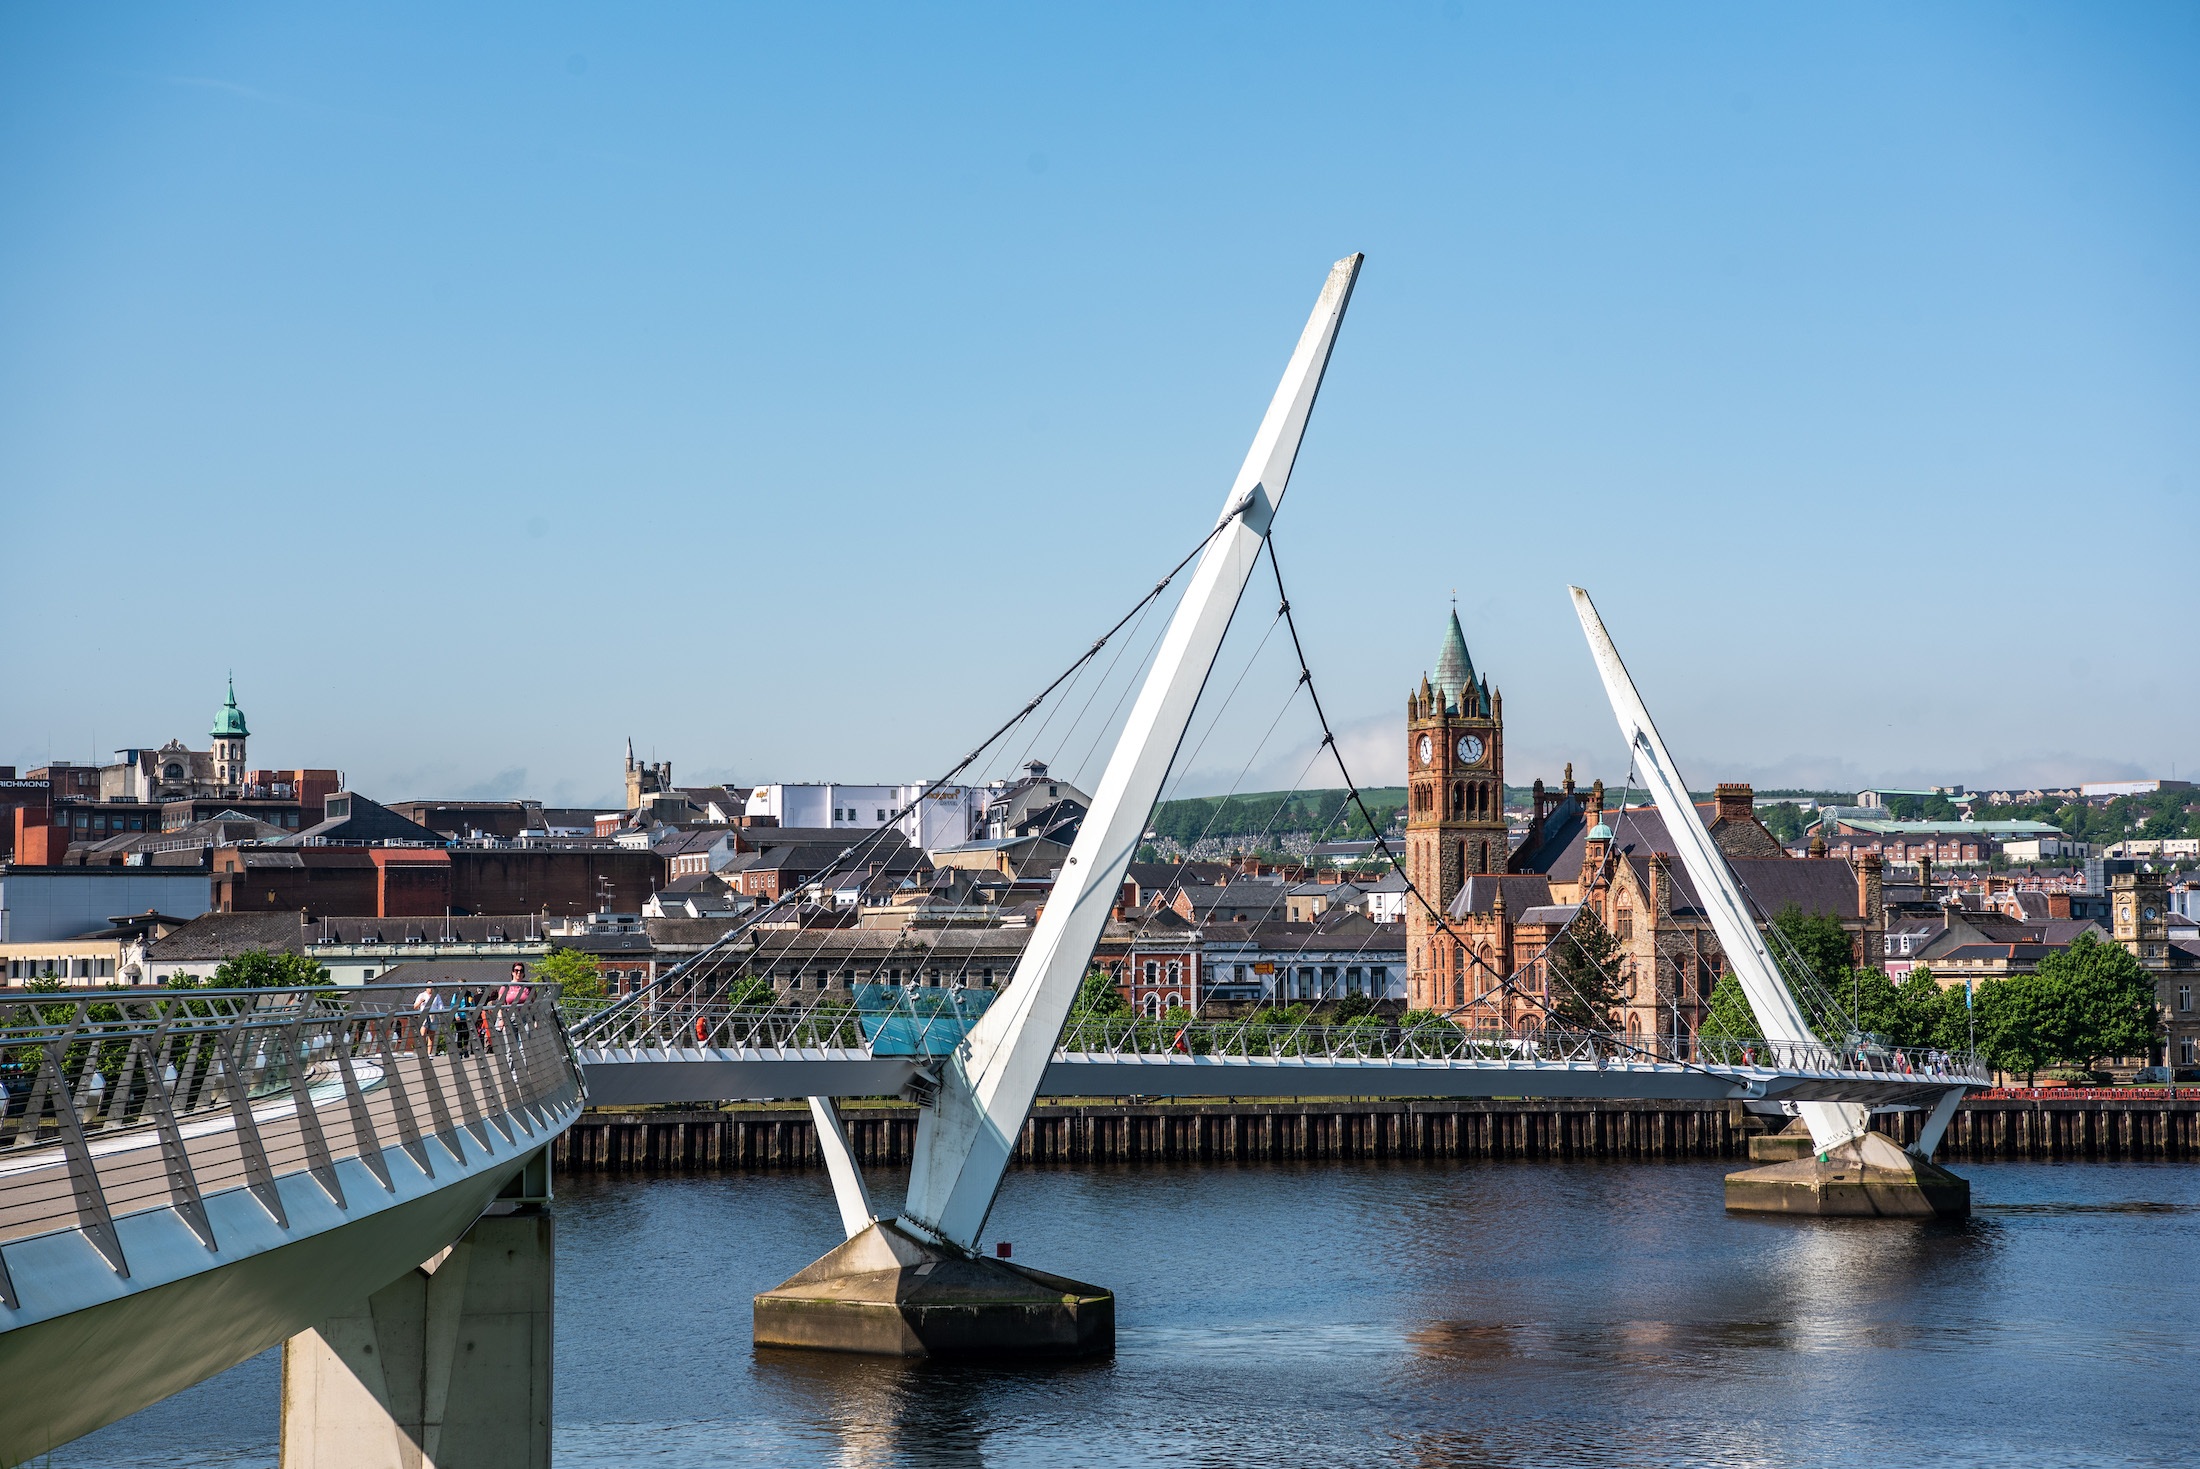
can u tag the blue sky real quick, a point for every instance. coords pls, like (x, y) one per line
(794, 389)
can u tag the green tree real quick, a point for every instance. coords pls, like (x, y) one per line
(1923, 1012)
(1350, 1007)
(258, 969)
(2107, 1003)
(1876, 1003)
(1819, 940)
(574, 973)
(1729, 1016)
(751, 991)
(1784, 821)
(1098, 996)
(2016, 1020)
(1583, 965)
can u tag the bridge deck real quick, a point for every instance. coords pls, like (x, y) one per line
(172, 1202)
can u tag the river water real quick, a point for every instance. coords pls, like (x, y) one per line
(1383, 1314)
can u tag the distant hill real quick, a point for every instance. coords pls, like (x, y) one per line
(1266, 817)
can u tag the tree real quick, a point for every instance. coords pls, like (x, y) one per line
(751, 991)
(1583, 967)
(1784, 821)
(257, 969)
(1098, 996)
(1820, 940)
(2016, 1022)
(2106, 1001)
(1729, 1016)
(1927, 1015)
(573, 972)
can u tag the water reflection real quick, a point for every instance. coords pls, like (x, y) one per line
(1389, 1314)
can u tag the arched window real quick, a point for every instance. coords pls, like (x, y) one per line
(1458, 796)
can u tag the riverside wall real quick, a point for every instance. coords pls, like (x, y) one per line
(737, 1137)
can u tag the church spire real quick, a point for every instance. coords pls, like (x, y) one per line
(1454, 668)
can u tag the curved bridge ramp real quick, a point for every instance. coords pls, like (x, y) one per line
(189, 1177)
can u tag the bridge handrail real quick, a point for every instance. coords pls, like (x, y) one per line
(691, 1025)
(113, 1101)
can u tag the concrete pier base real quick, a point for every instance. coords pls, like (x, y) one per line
(1865, 1178)
(447, 1366)
(887, 1293)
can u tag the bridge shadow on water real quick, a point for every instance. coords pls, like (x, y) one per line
(1400, 1313)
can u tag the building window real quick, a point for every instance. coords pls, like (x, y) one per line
(2184, 997)
(1153, 972)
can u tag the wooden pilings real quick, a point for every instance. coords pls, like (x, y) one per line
(778, 1137)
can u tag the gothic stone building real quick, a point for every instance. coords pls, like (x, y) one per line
(1492, 908)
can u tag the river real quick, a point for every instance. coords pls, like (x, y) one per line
(1382, 1314)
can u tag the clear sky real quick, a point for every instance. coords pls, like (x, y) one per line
(794, 388)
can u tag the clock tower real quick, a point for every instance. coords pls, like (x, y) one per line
(1455, 810)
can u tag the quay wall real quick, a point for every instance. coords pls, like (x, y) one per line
(673, 1140)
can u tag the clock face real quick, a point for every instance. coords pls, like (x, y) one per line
(1470, 748)
(1426, 749)
(2150, 915)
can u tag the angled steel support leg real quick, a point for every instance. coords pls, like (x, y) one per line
(408, 1126)
(319, 1161)
(965, 1137)
(1935, 1125)
(91, 1200)
(183, 1183)
(1831, 1123)
(259, 1178)
(364, 1143)
(841, 1166)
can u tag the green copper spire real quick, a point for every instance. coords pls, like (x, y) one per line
(229, 724)
(1454, 669)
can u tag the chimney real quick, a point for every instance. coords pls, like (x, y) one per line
(1568, 786)
(1596, 803)
(2058, 905)
(1661, 886)
(1735, 802)
(1871, 874)
(1818, 844)
(1925, 874)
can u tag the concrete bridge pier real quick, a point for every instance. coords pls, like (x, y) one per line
(449, 1365)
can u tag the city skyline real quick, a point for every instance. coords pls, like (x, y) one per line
(488, 391)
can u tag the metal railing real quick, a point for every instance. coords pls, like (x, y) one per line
(829, 1027)
(1269, 1034)
(113, 1102)
(1374, 1039)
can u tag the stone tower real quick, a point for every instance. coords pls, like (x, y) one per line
(1455, 808)
(645, 778)
(229, 737)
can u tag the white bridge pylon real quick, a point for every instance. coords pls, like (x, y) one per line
(1770, 1001)
(967, 1134)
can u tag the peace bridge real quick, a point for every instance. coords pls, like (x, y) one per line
(188, 1178)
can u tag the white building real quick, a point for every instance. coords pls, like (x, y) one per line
(942, 818)
(2046, 849)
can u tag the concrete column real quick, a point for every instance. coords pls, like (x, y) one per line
(448, 1366)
